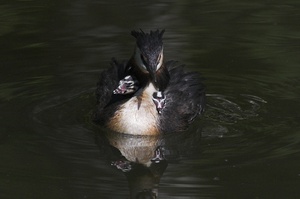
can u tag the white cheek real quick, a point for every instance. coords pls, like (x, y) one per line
(158, 65)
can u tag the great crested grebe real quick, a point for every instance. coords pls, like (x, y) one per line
(147, 96)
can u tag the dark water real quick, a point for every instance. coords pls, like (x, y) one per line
(246, 145)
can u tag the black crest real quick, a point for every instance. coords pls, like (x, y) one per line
(148, 41)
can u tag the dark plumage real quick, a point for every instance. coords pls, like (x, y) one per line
(135, 113)
(186, 98)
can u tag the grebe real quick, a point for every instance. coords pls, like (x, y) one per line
(147, 96)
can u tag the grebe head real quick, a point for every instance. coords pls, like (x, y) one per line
(148, 53)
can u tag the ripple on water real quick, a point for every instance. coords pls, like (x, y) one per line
(223, 112)
(226, 109)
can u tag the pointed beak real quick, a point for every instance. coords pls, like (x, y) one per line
(152, 71)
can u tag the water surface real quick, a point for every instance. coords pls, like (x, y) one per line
(245, 146)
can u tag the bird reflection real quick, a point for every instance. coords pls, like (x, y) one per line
(142, 162)
(141, 159)
(144, 159)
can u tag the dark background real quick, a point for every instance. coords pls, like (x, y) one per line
(53, 51)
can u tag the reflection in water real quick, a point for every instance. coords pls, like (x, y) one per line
(141, 159)
(144, 159)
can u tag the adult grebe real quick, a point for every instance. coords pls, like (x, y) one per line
(147, 96)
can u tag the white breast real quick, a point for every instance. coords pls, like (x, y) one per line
(134, 119)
